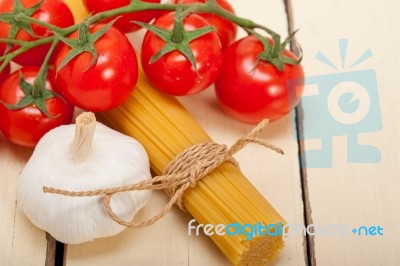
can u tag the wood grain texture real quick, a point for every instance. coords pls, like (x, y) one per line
(21, 243)
(276, 177)
(356, 194)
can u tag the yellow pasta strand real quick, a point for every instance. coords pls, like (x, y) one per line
(225, 196)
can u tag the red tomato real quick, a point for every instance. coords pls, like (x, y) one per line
(226, 30)
(252, 94)
(108, 82)
(4, 73)
(27, 125)
(55, 12)
(173, 73)
(124, 23)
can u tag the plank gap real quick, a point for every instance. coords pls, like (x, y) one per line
(54, 252)
(51, 250)
(309, 243)
(60, 258)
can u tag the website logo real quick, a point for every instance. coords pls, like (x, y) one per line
(282, 230)
(343, 103)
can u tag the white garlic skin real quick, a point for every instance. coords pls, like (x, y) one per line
(115, 160)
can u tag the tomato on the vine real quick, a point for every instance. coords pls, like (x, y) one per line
(173, 72)
(105, 84)
(226, 30)
(4, 73)
(250, 89)
(27, 125)
(126, 21)
(55, 12)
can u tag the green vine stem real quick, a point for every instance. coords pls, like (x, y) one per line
(136, 5)
(40, 82)
(22, 17)
(177, 32)
(25, 46)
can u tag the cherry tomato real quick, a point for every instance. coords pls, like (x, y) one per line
(173, 73)
(226, 30)
(4, 73)
(78, 10)
(251, 91)
(108, 82)
(27, 125)
(54, 12)
(125, 22)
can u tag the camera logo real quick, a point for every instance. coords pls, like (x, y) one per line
(345, 103)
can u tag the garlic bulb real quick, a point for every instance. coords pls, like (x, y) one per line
(86, 157)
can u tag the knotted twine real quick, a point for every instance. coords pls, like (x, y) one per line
(182, 172)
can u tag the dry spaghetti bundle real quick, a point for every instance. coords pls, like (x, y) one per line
(224, 196)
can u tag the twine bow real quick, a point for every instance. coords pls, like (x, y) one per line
(182, 172)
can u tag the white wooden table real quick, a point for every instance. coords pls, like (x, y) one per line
(354, 194)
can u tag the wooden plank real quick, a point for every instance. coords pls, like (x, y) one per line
(361, 193)
(21, 243)
(277, 178)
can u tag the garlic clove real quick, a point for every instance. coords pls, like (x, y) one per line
(114, 159)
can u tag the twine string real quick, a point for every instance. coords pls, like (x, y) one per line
(181, 173)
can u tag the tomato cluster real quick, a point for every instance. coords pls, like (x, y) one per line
(246, 87)
(26, 125)
(100, 86)
(97, 72)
